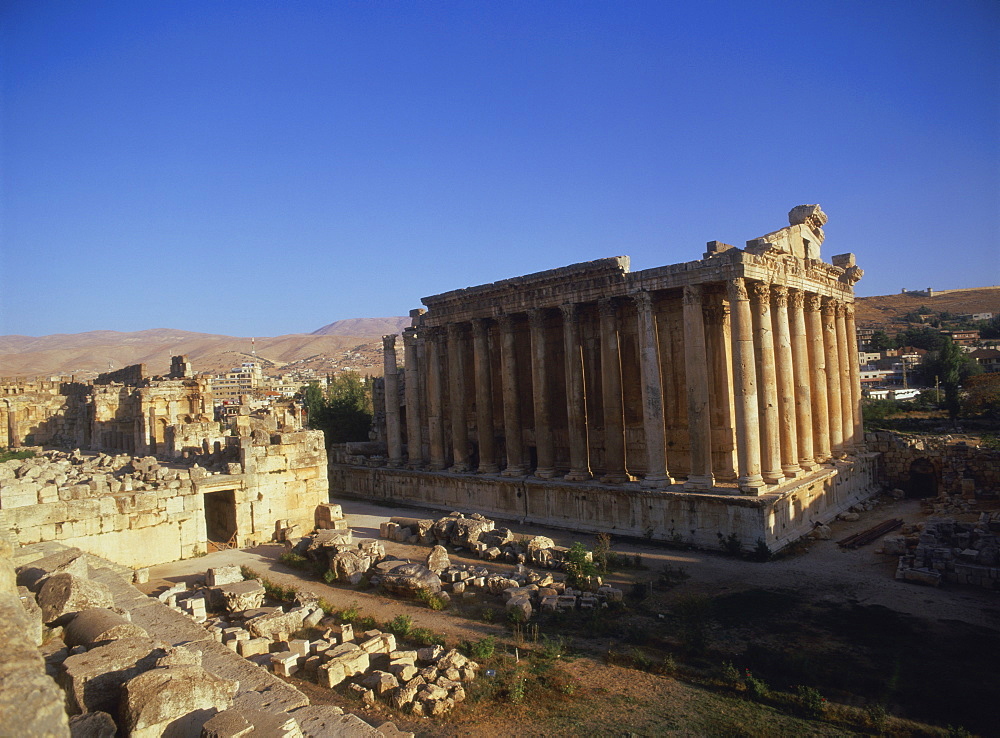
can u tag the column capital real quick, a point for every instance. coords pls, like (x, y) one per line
(779, 295)
(454, 330)
(608, 307)
(570, 311)
(736, 289)
(813, 302)
(409, 335)
(715, 313)
(761, 290)
(829, 308)
(433, 333)
(796, 298)
(848, 310)
(692, 294)
(389, 342)
(480, 326)
(506, 321)
(536, 318)
(643, 300)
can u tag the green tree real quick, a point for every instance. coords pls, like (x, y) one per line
(923, 337)
(344, 412)
(951, 367)
(880, 341)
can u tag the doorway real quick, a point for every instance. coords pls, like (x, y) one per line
(220, 517)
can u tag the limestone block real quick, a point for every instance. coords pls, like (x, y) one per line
(238, 596)
(253, 647)
(382, 643)
(271, 624)
(437, 559)
(223, 575)
(92, 725)
(402, 670)
(380, 682)
(180, 656)
(285, 663)
(63, 595)
(98, 624)
(339, 668)
(236, 723)
(93, 679)
(430, 654)
(69, 560)
(176, 701)
(409, 579)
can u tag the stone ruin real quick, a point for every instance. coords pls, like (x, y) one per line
(116, 662)
(525, 590)
(945, 550)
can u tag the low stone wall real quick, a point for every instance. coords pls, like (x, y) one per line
(956, 468)
(689, 518)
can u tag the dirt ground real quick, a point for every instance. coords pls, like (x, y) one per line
(833, 615)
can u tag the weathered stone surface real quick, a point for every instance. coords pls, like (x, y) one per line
(173, 701)
(237, 723)
(272, 624)
(380, 682)
(93, 679)
(99, 624)
(342, 666)
(238, 596)
(350, 566)
(69, 560)
(223, 575)
(437, 560)
(92, 725)
(409, 579)
(63, 595)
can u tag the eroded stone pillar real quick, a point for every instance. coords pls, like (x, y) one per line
(611, 391)
(784, 369)
(513, 430)
(456, 398)
(846, 391)
(393, 430)
(744, 389)
(484, 397)
(834, 403)
(718, 342)
(852, 351)
(576, 400)
(697, 373)
(803, 391)
(652, 395)
(435, 393)
(767, 392)
(540, 396)
(411, 390)
(817, 369)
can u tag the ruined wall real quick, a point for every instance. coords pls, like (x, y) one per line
(956, 468)
(695, 519)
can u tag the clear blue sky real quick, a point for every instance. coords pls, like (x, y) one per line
(260, 168)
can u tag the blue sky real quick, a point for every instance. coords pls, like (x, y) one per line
(260, 168)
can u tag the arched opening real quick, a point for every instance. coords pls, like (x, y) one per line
(923, 479)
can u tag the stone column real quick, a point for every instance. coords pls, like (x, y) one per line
(435, 393)
(540, 396)
(697, 373)
(767, 398)
(800, 369)
(393, 431)
(718, 340)
(422, 394)
(744, 389)
(829, 313)
(576, 400)
(456, 398)
(852, 351)
(611, 391)
(513, 431)
(784, 367)
(411, 389)
(846, 392)
(484, 397)
(652, 395)
(817, 369)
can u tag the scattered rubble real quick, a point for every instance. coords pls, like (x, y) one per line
(944, 550)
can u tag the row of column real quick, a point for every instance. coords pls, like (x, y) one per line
(790, 391)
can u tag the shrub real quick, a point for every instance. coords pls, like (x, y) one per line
(578, 565)
(401, 625)
(329, 577)
(813, 704)
(7, 454)
(294, 560)
(433, 600)
(756, 688)
(426, 637)
(488, 615)
(730, 544)
(349, 614)
(484, 649)
(553, 648)
(669, 664)
(761, 551)
(877, 717)
(730, 674)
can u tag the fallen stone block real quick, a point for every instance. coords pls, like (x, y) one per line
(64, 594)
(380, 682)
(175, 701)
(339, 668)
(253, 647)
(93, 725)
(285, 663)
(93, 679)
(238, 596)
(99, 624)
(223, 575)
(70, 561)
(276, 623)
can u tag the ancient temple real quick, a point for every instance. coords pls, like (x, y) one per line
(736, 374)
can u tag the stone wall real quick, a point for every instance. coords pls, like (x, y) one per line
(689, 518)
(912, 463)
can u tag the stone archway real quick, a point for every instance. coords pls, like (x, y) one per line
(923, 479)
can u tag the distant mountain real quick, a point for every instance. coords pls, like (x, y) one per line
(96, 351)
(886, 310)
(363, 327)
